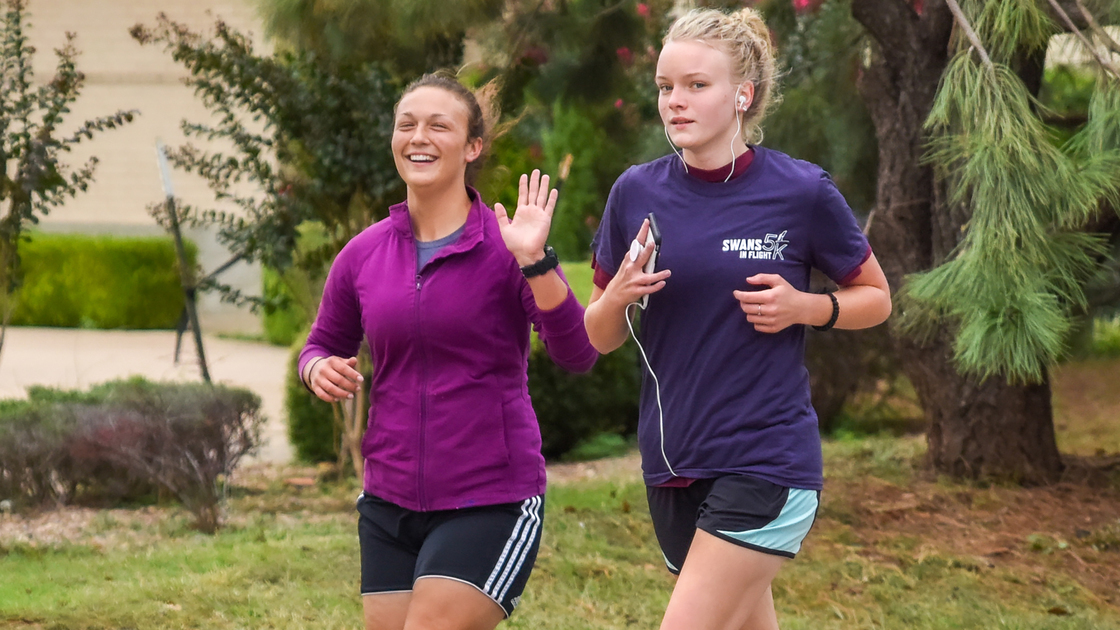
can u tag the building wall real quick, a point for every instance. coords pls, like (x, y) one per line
(123, 75)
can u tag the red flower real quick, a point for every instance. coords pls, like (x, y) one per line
(806, 6)
(618, 104)
(643, 9)
(625, 56)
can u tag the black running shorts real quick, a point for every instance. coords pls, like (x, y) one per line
(491, 547)
(745, 511)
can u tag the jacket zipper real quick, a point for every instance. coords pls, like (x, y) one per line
(421, 497)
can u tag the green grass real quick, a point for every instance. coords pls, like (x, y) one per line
(289, 560)
(580, 277)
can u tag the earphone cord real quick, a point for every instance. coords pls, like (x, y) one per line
(738, 129)
(656, 386)
(672, 146)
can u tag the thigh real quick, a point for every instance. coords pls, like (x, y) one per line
(722, 586)
(439, 603)
(389, 546)
(491, 549)
(386, 611)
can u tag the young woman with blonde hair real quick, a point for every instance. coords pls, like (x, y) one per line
(731, 453)
(445, 290)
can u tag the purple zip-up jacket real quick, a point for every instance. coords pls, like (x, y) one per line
(450, 422)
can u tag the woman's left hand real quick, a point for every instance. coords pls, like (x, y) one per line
(526, 233)
(774, 309)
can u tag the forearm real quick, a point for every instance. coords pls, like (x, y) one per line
(605, 321)
(861, 306)
(549, 290)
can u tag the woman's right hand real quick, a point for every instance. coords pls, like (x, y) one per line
(631, 283)
(334, 378)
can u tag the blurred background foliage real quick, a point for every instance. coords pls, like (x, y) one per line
(576, 88)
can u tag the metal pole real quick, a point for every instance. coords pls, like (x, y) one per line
(186, 273)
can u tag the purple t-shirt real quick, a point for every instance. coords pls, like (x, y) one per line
(736, 401)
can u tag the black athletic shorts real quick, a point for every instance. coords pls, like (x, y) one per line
(745, 511)
(490, 547)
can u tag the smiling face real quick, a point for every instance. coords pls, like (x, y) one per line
(430, 145)
(696, 99)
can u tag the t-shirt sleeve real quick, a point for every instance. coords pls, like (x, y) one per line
(839, 246)
(610, 242)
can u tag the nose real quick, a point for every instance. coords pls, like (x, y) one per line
(674, 99)
(419, 135)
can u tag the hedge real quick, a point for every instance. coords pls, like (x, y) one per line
(281, 318)
(78, 280)
(125, 440)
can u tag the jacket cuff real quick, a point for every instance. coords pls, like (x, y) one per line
(304, 360)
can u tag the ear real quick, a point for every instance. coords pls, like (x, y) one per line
(746, 94)
(474, 149)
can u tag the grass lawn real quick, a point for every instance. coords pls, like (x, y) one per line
(893, 548)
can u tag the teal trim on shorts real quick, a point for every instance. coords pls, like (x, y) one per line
(786, 532)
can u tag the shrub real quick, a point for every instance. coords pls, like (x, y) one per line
(125, 439)
(1106, 337)
(282, 318)
(74, 280)
(311, 428)
(842, 364)
(574, 408)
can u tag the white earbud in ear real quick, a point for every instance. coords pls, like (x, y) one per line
(742, 102)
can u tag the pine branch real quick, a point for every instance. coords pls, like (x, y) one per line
(1096, 28)
(971, 34)
(1088, 45)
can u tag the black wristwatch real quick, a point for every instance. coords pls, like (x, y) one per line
(542, 266)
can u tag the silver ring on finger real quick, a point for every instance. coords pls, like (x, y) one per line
(760, 310)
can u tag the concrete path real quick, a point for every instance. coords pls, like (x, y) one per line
(71, 358)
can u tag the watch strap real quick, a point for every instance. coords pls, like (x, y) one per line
(542, 266)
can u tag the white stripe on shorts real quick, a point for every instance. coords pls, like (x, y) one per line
(516, 549)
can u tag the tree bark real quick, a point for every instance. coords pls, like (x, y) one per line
(988, 428)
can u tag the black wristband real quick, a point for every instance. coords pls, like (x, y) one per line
(835, 313)
(542, 266)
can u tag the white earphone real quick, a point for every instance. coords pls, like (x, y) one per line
(742, 102)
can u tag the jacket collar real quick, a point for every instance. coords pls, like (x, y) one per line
(473, 229)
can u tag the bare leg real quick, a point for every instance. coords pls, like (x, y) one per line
(445, 604)
(386, 611)
(722, 586)
(763, 617)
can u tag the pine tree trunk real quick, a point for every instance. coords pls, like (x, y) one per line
(989, 428)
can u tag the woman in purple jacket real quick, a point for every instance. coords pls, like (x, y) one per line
(445, 290)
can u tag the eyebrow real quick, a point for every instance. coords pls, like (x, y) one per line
(434, 115)
(690, 75)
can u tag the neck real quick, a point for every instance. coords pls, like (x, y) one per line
(714, 154)
(435, 214)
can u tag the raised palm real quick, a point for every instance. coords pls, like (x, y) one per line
(525, 234)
